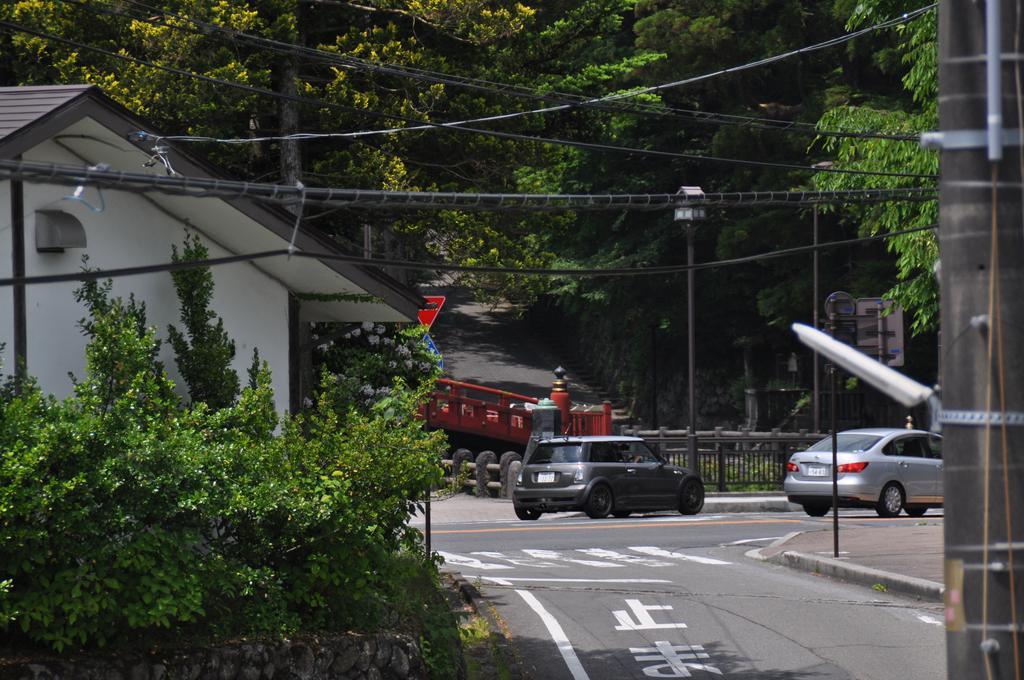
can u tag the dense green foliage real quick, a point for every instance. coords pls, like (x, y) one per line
(883, 81)
(203, 351)
(364, 362)
(121, 513)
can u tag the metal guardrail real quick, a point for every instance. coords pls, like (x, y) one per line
(732, 459)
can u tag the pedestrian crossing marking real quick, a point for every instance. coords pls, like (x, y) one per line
(620, 557)
(464, 561)
(532, 561)
(659, 552)
(555, 555)
(600, 558)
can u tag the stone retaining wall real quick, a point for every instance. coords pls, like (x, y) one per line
(384, 656)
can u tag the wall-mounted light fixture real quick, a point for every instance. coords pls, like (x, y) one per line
(57, 230)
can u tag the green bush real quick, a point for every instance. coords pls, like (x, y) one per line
(122, 515)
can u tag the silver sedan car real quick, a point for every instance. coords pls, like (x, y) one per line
(886, 469)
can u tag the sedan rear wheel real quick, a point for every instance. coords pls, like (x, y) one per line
(816, 509)
(890, 502)
(599, 502)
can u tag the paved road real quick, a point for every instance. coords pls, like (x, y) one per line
(668, 596)
(494, 348)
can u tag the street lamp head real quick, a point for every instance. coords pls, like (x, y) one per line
(689, 213)
(894, 384)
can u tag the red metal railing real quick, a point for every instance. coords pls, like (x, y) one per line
(464, 407)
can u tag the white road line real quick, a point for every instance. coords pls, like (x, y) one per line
(518, 561)
(929, 619)
(619, 557)
(753, 540)
(555, 555)
(659, 552)
(507, 581)
(558, 635)
(472, 562)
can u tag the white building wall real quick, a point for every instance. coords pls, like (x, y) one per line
(131, 231)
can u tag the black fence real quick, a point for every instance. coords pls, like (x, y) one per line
(732, 460)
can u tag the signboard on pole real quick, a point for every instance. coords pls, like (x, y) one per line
(872, 325)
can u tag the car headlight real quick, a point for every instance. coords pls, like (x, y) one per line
(578, 477)
(519, 477)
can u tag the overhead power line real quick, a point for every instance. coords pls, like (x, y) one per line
(252, 89)
(92, 275)
(480, 85)
(202, 187)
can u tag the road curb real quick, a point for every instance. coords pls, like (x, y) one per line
(499, 630)
(714, 504)
(922, 589)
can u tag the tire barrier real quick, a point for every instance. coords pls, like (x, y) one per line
(508, 484)
(460, 458)
(485, 488)
(507, 459)
(484, 476)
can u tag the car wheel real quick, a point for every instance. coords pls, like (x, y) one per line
(816, 509)
(621, 513)
(691, 497)
(599, 502)
(916, 510)
(527, 513)
(891, 501)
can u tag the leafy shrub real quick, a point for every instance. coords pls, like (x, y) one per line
(364, 361)
(122, 514)
(203, 352)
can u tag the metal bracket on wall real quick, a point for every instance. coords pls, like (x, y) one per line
(966, 139)
(981, 418)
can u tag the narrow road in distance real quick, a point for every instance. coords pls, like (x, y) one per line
(676, 597)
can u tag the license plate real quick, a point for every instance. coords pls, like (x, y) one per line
(818, 471)
(545, 477)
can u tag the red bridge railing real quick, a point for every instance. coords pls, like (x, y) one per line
(476, 409)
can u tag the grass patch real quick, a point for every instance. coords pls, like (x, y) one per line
(484, 659)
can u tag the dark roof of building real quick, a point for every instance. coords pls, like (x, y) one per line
(22, 106)
(31, 114)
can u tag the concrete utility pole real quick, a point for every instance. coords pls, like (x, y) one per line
(982, 286)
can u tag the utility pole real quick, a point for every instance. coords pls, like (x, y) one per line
(982, 286)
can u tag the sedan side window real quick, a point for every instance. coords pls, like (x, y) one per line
(935, 444)
(912, 447)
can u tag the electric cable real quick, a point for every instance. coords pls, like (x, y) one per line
(491, 87)
(92, 275)
(202, 187)
(252, 89)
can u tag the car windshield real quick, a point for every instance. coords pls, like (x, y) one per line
(556, 453)
(850, 443)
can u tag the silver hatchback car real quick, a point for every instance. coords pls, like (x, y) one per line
(602, 476)
(886, 469)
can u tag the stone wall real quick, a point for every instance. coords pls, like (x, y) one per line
(384, 656)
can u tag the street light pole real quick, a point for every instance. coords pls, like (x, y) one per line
(689, 214)
(691, 343)
(816, 401)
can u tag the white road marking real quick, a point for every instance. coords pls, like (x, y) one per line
(658, 552)
(558, 635)
(642, 619)
(472, 562)
(518, 561)
(754, 540)
(507, 581)
(619, 557)
(555, 555)
(929, 619)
